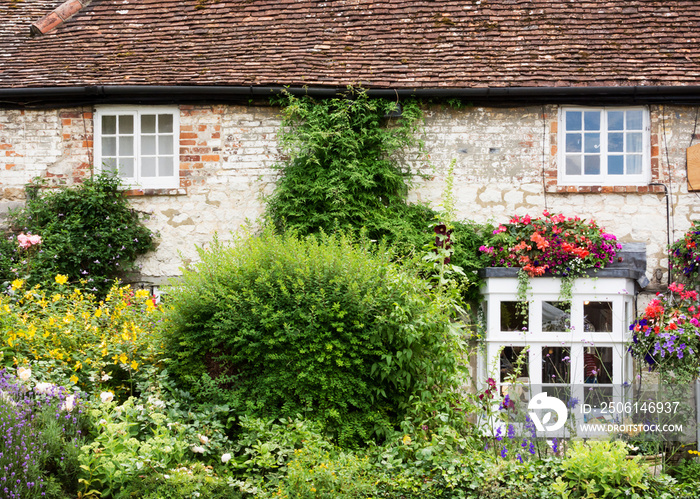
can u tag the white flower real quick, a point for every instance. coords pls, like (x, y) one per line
(106, 397)
(226, 458)
(166, 476)
(69, 404)
(43, 388)
(24, 373)
(198, 449)
(105, 377)
(103, 421)
(203, 439)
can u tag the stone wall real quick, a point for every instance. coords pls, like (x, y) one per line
(505, 164)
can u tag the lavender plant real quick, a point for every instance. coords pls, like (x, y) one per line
(40, 437)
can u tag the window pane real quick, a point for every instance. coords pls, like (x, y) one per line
(592, 142)
(109, 146)
(634, 120)
(126, 146)
(591, 120)
(616, 120)
(634, 142)
(513, 316)
(598, 365)
(556, 316)
(148, 145)
(555, 364)
(634, 164)
(109, 164)
(165, 123)
(573, 165)
(109, 125)
(126, 167)
(597, 316)
(591, 165)
(573, 142)
(148, 167)
(148, 123)
(573, 120)
(616, 142)
(596, 396)
(126, 124)
(510, 366)
(165, 166)
(616, 165)
(165, 144)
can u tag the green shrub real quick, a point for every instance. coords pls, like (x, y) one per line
(88, 232)
(277, 326)
(342, 172)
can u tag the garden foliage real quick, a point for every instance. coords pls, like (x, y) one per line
(342, 171)
(88, 232)
(282, 325)
(71, 338)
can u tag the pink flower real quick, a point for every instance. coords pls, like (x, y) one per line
(28, 240)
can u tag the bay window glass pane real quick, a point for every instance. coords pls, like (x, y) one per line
(573, 120)
(513, 316)
(598, 365)
(165, 166)
(634, 120)
(126, 167)
(591, 120)
(573, 165)
(556, 364)
(109, 146)
(616, 120)
(126, 125)
(126, 146)
(616, 142)
(148, 123)
(592, 142)
(556, 316)
(598, 316)
(616, 165)
(573, 142)
(591, 165)
(148, 145)
(148, 167)
(634, 142)
(165, 123)
(165, 144)
(109, 125)
(514, 363)
(634, 164)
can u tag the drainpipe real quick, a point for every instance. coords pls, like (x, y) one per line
(668, 231)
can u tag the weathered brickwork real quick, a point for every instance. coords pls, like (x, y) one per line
(505, 164)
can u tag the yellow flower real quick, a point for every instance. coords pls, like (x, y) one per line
(74, 379)
(141, 294)
(123, 358)
(98, 312)
(78, 365)
(56, 297)
(134, 365)
(406, 440)
(61, 279)
(17, 283)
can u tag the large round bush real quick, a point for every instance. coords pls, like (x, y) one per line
(277, 325)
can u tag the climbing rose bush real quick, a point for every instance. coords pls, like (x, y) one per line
(554, 243)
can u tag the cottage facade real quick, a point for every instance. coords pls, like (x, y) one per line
(584, 108)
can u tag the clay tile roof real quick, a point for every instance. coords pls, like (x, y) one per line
(382, 44)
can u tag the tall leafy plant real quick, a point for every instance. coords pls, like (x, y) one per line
(341, 171)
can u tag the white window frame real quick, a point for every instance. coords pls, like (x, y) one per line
(604, 179)
(138, 180)
(619, 292)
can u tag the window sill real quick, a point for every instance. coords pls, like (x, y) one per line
(606, 189)
(174, 191)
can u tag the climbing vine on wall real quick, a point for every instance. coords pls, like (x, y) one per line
(341, 170)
